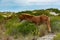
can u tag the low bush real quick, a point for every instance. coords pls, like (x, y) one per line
(55, 24)
(57, 37)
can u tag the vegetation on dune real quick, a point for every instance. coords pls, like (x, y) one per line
(54, 10)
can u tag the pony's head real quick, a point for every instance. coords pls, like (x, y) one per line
(25, 16)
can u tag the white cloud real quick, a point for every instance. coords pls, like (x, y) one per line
(42, 0)
(36, 2)
(30, 2)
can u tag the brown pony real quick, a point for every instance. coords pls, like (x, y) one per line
(36, 19)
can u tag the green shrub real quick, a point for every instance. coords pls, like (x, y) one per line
(43, 30)
(15, 28)
(57, 37)
(26, 28)
(55, 24)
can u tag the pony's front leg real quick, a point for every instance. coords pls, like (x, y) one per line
(48, 25)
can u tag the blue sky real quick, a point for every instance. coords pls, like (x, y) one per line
(19, 5)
